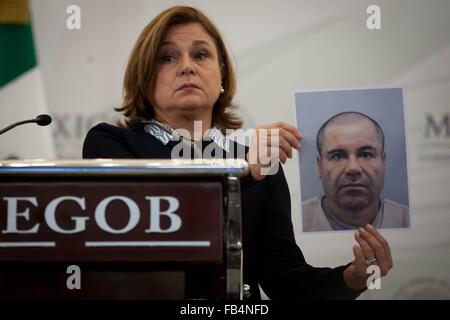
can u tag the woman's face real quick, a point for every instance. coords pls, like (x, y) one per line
(189, 79)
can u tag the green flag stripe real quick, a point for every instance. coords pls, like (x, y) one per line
(17, 51)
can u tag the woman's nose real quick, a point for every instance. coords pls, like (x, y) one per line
(187, 67)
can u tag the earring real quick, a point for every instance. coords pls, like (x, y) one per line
(222, 90)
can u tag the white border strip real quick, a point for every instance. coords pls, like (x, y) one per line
(26, 244)
(148, 243)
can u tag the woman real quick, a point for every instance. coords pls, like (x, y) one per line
(180, 72)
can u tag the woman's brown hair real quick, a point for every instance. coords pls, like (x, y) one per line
(143, 67)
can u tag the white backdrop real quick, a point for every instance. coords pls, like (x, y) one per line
(280, 47)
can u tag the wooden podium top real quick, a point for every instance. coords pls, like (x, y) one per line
(95, 167)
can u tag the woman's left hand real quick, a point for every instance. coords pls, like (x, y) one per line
(372, 248)
(271, 144)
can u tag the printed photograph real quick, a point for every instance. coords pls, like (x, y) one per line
(353, 164)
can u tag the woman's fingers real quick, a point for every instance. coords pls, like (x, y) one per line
(355, 275)
(284, 129)
(370, 244)
(283, 156)
(279, 137)
(290, 133)
(290, 137)
(359, 260)
(270, 145)
(384, 243)
(288, 127)
(365, 246)
(278, 144)
(285, 146)
(378, 250)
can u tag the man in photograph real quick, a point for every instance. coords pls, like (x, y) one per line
(351, 164)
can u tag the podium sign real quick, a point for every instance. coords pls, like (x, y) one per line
(132, 221)
(174, 219)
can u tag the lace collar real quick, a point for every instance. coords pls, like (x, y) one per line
(214, 134)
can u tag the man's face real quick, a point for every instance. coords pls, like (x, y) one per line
(352, 166)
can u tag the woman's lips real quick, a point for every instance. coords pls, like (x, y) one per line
(188, 87)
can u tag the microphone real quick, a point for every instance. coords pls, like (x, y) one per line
(40, 120)
(43, 120)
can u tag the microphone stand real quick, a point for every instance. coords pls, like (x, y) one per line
(41, 120)
(16, 124)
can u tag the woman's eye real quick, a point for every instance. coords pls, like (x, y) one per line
(167, 58)
(201, 55)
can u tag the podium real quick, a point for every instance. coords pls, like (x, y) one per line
(121, 229)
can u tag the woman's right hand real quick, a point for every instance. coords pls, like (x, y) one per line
(270, 145)
(372, 248)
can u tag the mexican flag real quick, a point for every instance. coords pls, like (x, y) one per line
(21, 90)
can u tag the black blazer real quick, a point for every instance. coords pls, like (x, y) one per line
(272, 258)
